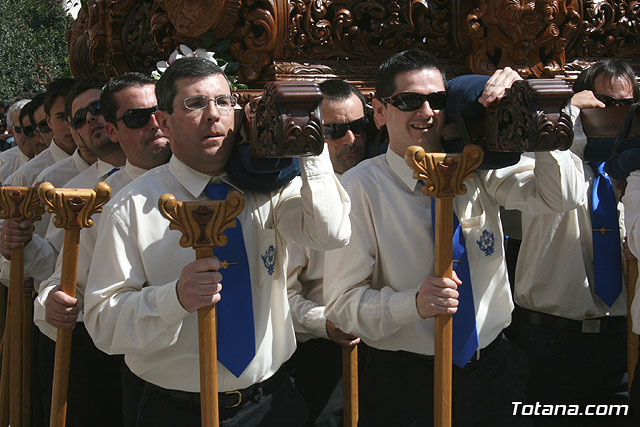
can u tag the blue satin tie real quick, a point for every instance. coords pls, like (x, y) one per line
(112, 171)
(235, 328)
(607, 262)
(465, 334)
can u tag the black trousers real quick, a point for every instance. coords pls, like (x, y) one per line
(280, 406)
(572, 367)
(397, 389)
(317, 372)
(95, 393)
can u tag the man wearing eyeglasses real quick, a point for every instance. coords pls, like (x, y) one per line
(13, 158)
(573, 310)
(143, 305)
(380, 286)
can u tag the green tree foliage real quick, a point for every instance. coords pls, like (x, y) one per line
(33, 45)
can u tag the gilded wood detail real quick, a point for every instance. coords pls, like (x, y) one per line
(73, 207)
(20, 203)
(202, 222)
(444, 173)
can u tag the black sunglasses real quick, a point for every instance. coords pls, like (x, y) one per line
(610, 101)
(28, 131)
(17, 129)
(43, 127)
(410, 101)
(80, 118)
(338, 130)
(135, 118)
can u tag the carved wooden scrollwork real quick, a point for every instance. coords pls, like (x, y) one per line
(534, 115)
(529, 36)
(202, 222)
(20, 203)
(73, 207)
(287, 121)
(444, 173)
(610, 28)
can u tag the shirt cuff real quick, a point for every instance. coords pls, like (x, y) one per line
(316, 165)
(316, 322)
(402, 306)
(169, 307)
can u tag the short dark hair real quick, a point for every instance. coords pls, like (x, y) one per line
(81, 85)
(56, 89)
(408, 60)
(166, 89)
(611, 69)
(339, 90)
(31, 107)
(107, 98)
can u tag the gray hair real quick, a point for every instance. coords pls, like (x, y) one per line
(17, 106)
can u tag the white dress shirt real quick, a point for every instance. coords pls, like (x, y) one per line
(10, 157)
(631, 201)
(88, 236)
(371, 284)
(41, 253)
(554, 272)
(26, 174)
(305, 271)
(131, 304)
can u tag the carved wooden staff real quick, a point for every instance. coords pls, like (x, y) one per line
(632, 339)
(17, 204)
(443, 175)
(73, 209)
(202, 224)
(350, 385)
(4, 377)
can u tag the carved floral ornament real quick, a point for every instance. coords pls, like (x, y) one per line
(20, 203)
(306, 39)
(73, 207)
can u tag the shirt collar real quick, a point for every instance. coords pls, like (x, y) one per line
(401, 169)
(57, 152)
(81, 164)
(191, 179)
(133, 171)
(103, 168)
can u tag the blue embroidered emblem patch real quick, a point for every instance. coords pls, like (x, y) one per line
(269, 259)
(487, 242)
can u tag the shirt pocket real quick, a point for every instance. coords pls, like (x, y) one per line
(483, 239)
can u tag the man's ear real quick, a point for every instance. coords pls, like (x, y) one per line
(112, 132)
(162, 117)
(379, 112)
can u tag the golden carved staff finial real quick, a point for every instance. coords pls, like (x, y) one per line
(443, 175)
(202, 223)
(17, 204)
(73, 208)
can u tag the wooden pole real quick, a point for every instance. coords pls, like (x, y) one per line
(73, 209)
(4, 377)
(350, 385)
(443, 323)
(27, 321)
(62, 361)
(18, 204)
(632, 339)
(443, 175)
(202, 224)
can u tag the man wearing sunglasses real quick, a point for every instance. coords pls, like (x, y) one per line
(13, 158)
(317, 365)
(156, 289)
(380, 286)
(573, 310)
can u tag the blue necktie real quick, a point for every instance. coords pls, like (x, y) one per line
(235, 328)
(607, 263)
(465, 334)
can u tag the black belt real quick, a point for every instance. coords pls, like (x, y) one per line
(476, 356)
(587, 326)
(226, 399)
